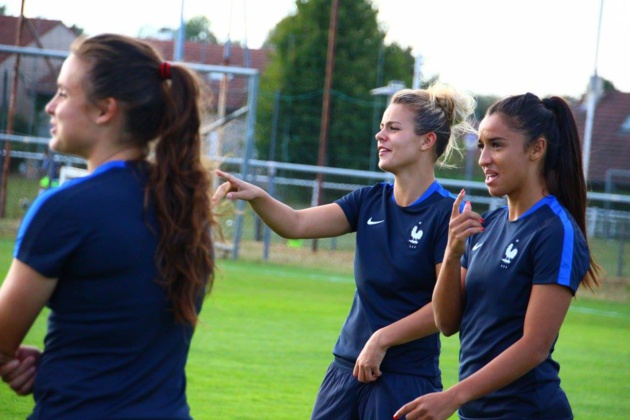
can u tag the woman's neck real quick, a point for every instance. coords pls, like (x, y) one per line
(407, 189)
(519, 202)
(125, 153)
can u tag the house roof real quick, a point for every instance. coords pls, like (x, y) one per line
(204, 53)
(610, 140)
(9, 26)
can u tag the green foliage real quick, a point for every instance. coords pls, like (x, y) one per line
(197, 29)
(77, 30)
(608, 85)
(483, 103)
(294, 80)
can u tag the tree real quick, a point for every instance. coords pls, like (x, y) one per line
(483, 103)
(296, 71)
(608, 86)
(77, 30)
(198, 29)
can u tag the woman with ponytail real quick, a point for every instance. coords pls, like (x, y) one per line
(388, 348)
(509, 275)
(123, 256)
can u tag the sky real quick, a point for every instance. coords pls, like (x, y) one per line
(485, 47)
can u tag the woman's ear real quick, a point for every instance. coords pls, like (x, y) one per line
(107, 110)
(537, 148)
(429, 140)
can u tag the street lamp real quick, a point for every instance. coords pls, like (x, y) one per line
(389, 90)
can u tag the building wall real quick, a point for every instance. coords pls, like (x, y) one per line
(35, 75)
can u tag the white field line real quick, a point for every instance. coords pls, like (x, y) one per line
(281, 273)
(349, 279)
(597, 312)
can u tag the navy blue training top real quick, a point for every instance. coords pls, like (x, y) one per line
(397, 249)
(113, 349)
(544, 246)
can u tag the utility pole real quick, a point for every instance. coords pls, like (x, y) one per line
(9, 129)
(323, 131)
(217, 136)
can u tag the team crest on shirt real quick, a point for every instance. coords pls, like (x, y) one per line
(510, 254)
(416, 235)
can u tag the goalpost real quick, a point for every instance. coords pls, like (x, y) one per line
(252, 76)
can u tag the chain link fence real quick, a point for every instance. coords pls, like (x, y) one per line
(608, 229)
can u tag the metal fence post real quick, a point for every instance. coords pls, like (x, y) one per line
(271, 189)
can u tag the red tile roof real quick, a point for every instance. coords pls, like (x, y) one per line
(9, 26)
(204, 53)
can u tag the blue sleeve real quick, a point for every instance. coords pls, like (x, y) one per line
(48, 235)
(351, 205)
(561, 254)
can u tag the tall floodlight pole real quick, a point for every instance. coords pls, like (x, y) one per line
(594, 90)
(179, 41)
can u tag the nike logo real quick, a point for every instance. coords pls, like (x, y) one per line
(374, 222)
(477, 246)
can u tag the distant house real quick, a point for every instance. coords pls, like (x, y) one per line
(37, 76)
(230, 140)
(610, 140)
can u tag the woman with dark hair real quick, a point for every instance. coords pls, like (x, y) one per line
(123, 256)
(508, 276)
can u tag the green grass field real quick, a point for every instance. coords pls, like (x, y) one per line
(268, 330)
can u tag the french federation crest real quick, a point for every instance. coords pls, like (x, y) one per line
(416, 235)
(510, 254)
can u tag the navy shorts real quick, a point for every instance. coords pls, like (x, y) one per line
(342, 397)
(552, 404)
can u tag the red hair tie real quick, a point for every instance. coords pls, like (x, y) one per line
(165, 70)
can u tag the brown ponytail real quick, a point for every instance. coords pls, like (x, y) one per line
(163, 111)
(180, 186)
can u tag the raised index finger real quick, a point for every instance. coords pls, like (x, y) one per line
(222, 189)
(457, 204)
(231, 182)
(222, 174)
